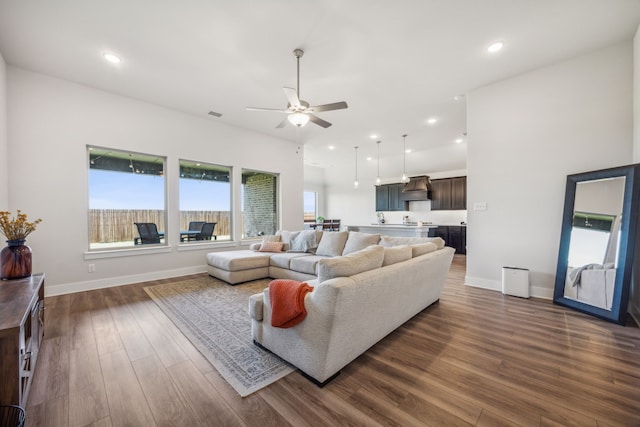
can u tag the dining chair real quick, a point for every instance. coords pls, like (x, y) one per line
(148, 232)
(326, 225)
(335, 225)
(207, 231)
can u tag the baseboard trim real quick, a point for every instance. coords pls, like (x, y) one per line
(496, 285)
(70, 288)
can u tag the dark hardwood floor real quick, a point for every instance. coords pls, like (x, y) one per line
(477, 358)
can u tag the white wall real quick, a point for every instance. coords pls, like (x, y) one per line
(314, 181)
(52, 121)
(4, 169)
(525, 135)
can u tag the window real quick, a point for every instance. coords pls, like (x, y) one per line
(125, 188)
(310, 206)
(205, 202)
(259, 204)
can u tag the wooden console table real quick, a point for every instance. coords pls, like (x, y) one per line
(21, 332)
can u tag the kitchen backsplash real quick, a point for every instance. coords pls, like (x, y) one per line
(421, 211)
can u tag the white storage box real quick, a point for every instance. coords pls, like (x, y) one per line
(515, 281)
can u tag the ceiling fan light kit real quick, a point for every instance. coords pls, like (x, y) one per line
(299, 113)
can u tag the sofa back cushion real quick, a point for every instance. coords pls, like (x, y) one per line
(388, 241)
(351, 264)
(358, 241)
(423, 248)
(396, 254)
(332, 243)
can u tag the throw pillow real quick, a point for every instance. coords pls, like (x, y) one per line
(423, 248)
(396, 254)
(358, 241)
(349, 265)
(304, 241)
(271, 247)
(332, 243)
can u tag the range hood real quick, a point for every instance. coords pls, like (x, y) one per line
(417, 183)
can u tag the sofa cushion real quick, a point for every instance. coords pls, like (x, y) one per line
(307, 264)
(304, 241)
(351, 264)
(423, 248)
(388, 241)
(238, 260)
(358, 241)
(395, 254)
(332, 244)
(284, 260)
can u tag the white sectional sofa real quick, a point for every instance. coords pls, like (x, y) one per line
(370, 286)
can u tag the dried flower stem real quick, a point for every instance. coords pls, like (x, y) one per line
(17, 228)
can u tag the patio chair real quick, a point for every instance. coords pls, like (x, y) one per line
(148, 232)
(207, 231)
(194, 226)
(335, 225)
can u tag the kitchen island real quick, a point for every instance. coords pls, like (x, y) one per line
(397, 230)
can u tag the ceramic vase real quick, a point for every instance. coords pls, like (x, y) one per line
(15, 260)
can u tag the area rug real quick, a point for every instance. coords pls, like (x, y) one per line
(214, 316)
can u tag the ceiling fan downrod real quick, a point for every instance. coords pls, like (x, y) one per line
(298, 53)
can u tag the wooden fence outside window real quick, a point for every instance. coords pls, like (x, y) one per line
(118, 225)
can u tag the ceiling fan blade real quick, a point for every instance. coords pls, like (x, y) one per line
(329, 107)
(292, 96)
(317, 120)
(275, 110)
(282, 123)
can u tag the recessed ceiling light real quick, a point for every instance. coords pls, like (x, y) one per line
(110, 57)
(331, 147)
(458, 140)
(458, 97)
(432, 120)
(373, 136)
(408, 150)
(495, 46)
(369, 158)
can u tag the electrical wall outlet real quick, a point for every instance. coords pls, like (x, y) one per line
(92, 268)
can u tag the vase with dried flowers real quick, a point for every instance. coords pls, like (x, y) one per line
(15, 259)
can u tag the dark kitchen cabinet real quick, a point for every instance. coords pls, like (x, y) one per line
(453, 236)
(389, 198)
(449, 194)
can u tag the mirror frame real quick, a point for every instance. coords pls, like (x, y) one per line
(627, 243)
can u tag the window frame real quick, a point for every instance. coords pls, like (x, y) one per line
(114, 251)
(197, 164)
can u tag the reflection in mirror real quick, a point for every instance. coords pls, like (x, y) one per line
(593, 248)
(597, 253)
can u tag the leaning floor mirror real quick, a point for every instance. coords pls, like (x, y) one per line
(597, 242)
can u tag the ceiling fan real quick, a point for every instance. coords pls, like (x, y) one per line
(299, 113)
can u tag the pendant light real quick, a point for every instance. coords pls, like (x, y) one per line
(404, 179)
(378, 178)
(355, 183)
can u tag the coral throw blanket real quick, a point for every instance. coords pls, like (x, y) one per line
(287, 302)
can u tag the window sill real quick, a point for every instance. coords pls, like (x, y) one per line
(116, 253)
(208, 245)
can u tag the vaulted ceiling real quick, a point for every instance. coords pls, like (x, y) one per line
(396, 64)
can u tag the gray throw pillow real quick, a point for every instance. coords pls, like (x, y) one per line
(332, 243)
(303, 241)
